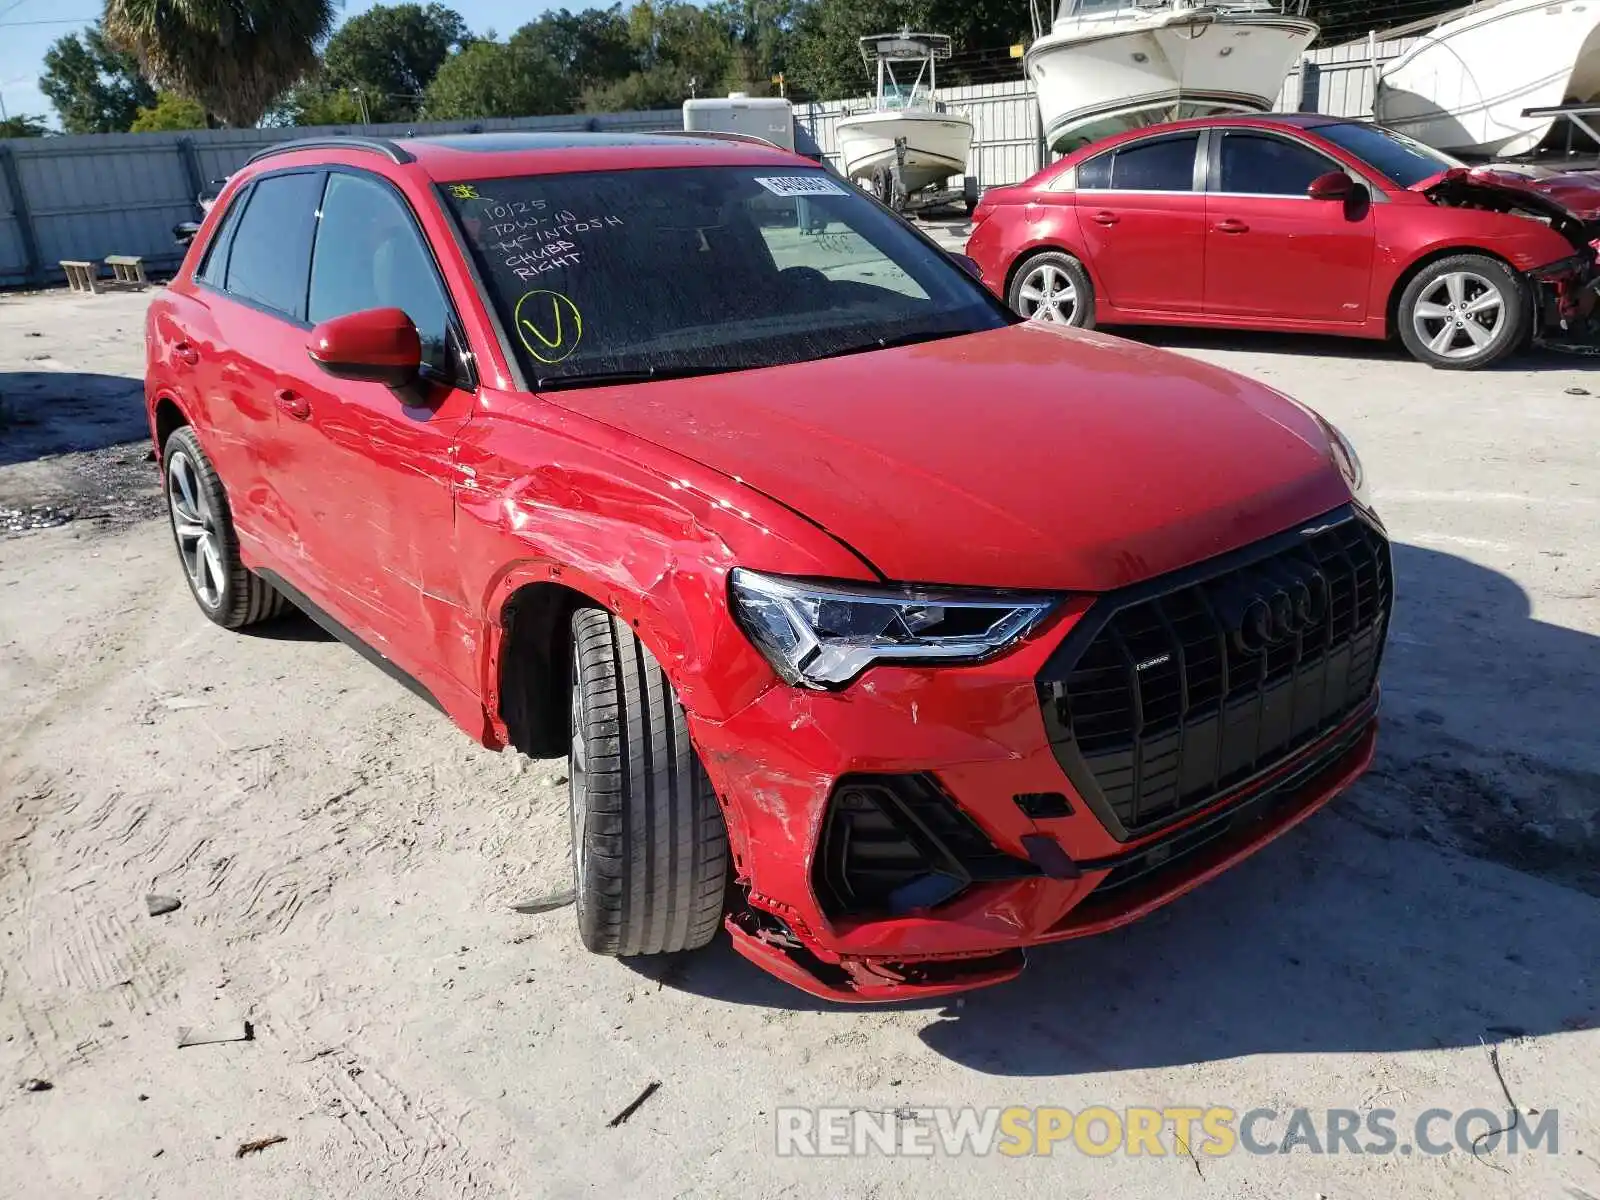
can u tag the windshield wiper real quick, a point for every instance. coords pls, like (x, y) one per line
(577, 379)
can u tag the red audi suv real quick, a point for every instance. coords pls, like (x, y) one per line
(1299, 222)
(887, 631)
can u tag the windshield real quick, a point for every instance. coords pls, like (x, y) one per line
(685, 271)
(1393, 155)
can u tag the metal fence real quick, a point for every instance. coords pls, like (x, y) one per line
(83, 198)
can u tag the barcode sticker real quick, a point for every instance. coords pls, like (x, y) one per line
(801, 185)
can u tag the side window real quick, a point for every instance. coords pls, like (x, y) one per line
(272, 246)
(1162, 165)
(369, 254)
(1258, 164)
(1096, 173)
(214, 268)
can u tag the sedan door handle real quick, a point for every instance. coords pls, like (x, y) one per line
(1232, 226)
(186, 353)
(1105, 217)
(296, 405)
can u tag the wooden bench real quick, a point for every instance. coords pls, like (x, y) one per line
(127, 270)
(82, 276)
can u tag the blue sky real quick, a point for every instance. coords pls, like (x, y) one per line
(28, 27)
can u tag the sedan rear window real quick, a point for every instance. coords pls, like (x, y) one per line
(639, 274)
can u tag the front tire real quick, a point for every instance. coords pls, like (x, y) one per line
(649, 847)
(1464, 313)
(1055, 288)
(227, 591)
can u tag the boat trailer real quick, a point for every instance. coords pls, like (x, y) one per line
(888, 185)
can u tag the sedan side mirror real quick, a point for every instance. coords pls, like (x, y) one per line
(970, 265)
(379, 345)
(1335, 185)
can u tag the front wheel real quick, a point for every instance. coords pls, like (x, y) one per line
(1055, 288)
(1464, 312)
(649, 847)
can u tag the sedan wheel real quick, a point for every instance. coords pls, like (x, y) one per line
(1459, 314)
(1464, 312)
(1053, 287)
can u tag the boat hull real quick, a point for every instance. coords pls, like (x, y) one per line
(938, 145)
(1103, 77)
(1463, 87)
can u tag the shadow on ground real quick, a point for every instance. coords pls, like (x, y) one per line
(1376, 925)
(1324, 346)
(59, 412)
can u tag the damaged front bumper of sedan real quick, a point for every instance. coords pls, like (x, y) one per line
(912, 835)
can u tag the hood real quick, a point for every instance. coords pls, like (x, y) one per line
(1542, 190)
(1024, 457)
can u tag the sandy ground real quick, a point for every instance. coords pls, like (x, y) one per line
(347, 861)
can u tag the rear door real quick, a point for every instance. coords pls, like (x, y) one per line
(1273, 252)
(1142, 216)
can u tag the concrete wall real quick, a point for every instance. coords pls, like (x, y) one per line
(87, 197)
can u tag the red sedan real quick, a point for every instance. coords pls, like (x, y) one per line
(1300, 222)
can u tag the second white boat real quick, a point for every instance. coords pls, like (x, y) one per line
(1109, 65)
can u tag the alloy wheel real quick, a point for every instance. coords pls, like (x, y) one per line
(195, 526)
(1048, 294)
(1459, 315)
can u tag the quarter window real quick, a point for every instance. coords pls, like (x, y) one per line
(272, 246)
(1261, 165)
(370, 255)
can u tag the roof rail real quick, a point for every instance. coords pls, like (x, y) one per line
(716, 135)
(390, 150)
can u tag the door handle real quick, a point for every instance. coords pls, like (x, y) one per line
(296, 405)
(1103, 217)
(186, 353)
(1231, 225)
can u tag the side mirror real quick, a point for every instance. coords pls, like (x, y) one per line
(377, 346)
(970, 265)
(1335, 185)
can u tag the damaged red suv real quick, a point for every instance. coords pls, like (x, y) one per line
(1300, 222)
(887, 631)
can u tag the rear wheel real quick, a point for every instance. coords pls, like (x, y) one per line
(649, 847)
(208, 549)
(1464, 312)
(1055, 288)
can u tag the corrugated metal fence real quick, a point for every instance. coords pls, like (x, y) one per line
(87, 197)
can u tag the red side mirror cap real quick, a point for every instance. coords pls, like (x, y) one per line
(379, 345)
(1335, 185)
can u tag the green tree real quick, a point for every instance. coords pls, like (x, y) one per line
(761, 34)
(826, 58)
(496, 79)
(22, 126)
(391, 54)
(235, 57)
(676, 34)
(94, 87)
(658, 87)
(592, 48)
(314, 102)
(169, 113)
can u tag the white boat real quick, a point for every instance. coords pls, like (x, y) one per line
(938, 143)
(1465, 83)
(1106, 66)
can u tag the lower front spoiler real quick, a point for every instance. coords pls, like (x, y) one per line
(779, 944)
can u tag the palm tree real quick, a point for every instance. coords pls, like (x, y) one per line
(234, 56)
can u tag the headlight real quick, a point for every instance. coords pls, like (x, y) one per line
(822, 635)
(1349, 464)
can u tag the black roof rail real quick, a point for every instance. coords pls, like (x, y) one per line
(717, 135)
(390, 150)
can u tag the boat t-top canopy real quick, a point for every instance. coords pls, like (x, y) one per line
(904, 46)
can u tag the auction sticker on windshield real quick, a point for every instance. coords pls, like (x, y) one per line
(800, 185)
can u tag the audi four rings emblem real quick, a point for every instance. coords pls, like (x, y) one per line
(1288, 603)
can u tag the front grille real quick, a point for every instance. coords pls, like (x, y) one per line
(1172, 693)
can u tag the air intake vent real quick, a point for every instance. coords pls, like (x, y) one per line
(891, 844)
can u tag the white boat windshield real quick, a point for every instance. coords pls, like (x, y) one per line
(906, 95)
